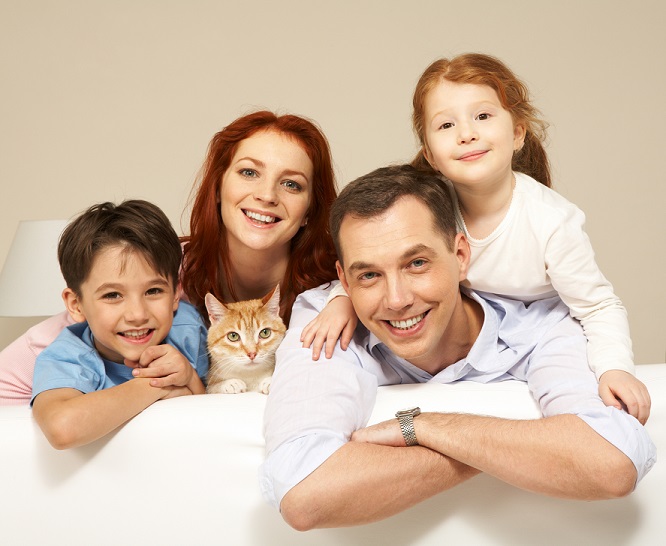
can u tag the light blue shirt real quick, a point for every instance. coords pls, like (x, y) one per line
(72, 361)
(314, 407)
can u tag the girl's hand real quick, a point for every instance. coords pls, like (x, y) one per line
(337, 320)
(165, 365)
(622, 390)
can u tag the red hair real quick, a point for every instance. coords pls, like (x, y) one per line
(513, 94)
(206, 263)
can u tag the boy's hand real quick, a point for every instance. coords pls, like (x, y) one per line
(622, 390)
(164, 365)
(336, 320)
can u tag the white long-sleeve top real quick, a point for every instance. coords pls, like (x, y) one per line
(539, 250)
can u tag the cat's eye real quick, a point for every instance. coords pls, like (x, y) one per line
(265, 333)
(233, 336)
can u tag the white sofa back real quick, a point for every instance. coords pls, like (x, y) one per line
(185, 472)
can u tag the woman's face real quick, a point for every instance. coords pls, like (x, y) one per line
(265, 193)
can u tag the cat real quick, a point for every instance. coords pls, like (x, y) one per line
(242, 340)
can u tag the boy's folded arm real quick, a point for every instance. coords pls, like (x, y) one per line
(70, 418)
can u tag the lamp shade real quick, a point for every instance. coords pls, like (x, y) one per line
(31, 282)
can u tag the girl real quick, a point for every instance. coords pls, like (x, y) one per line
(478, 129)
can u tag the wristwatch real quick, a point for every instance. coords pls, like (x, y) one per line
(406, 420)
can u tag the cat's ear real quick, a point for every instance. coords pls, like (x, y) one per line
(216, 309)
(271, 301)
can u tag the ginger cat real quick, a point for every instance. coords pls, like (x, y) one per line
(242, 340)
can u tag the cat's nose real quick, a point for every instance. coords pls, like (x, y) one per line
(251, 356)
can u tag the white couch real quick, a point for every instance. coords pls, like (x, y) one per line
(185, 472)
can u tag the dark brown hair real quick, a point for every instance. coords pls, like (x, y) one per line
(206, 257)
(513, 94)
(136, 225)
(376, 192)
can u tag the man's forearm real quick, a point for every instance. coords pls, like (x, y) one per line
(361, 483)
(559, 456)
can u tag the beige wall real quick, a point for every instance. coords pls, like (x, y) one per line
(108, 100)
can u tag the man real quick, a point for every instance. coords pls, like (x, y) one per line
(401, 262)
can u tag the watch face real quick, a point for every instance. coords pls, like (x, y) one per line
(409, 411)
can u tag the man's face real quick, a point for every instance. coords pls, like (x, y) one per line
(403, 280)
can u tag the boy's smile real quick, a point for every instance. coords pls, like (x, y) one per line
(128, 305)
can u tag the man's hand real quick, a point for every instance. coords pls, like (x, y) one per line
(622, 390)
(387, 433)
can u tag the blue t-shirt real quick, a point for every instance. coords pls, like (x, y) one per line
(72, 361)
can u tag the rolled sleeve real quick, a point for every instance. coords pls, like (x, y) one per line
(562, 383)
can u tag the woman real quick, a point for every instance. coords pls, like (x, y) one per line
(260, 216)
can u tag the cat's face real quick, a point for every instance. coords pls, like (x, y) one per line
(244, 334)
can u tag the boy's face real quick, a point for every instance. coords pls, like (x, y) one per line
(128, 305)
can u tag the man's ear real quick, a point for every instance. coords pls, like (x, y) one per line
(463, 253)
(341, 276)
(73, 305)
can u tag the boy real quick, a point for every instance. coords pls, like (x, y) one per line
(120, 264)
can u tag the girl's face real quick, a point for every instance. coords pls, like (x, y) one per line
(470, 138)
(265, 193)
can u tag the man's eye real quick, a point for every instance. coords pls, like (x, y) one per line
(233, 336)
(419, 262)
(368, 276)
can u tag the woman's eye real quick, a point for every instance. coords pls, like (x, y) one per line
(249, 173)
(265, 333)
(291, 185)
(233, 336)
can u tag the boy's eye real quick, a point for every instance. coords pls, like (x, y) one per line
(154, 291)
(291, 185)
(446, 125)
(111, 296)
(265, 333)
(233, 336)
(483, 116)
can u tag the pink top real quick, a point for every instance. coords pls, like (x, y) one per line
(17, 361)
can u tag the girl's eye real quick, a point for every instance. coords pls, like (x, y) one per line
(249, 173)
(265, 333)
(446, 125)
(233, 336)
(483, 117)
(292, 186)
